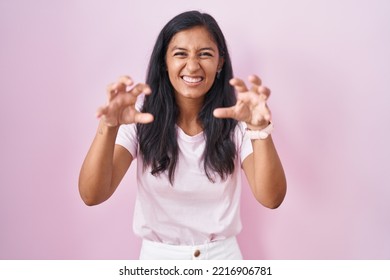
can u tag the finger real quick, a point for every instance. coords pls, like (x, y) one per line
(111, 92)
(140, 88)
(238, 84)
(113, 89)
(249, 97)
(116, 87)
(143, 118)
(130, 97)
(224, 113)
(267, 114)
(268, 117)
(264, 92)
(127, 80)
(123, 98)
(101, 111)
(255, 80)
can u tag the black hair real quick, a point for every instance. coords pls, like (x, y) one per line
(158, 140)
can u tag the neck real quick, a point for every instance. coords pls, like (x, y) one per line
(188, 117)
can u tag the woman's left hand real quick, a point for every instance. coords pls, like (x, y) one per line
(251, 106)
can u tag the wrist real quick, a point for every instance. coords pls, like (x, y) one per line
(262, 133)
(257, 127)
(104, 128)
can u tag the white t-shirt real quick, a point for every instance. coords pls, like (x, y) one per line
(193, 210)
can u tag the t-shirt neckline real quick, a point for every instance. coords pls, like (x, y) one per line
(188, 138)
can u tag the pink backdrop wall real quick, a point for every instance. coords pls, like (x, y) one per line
(327, 63)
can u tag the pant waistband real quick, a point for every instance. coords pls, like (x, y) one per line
(220, 249)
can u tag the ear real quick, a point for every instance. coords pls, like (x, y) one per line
(220, 63)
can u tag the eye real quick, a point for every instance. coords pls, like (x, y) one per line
(206, 54)
(179, 54)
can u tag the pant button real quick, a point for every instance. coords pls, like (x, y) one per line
(196, 253)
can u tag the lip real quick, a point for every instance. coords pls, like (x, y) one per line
(192, 80)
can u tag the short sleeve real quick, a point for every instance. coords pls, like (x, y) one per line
(127, 134)
(244, 143)
(127, 137)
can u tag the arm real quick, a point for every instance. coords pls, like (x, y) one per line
(106, 163)
(265, 173)
(104, 166)
(263, 167)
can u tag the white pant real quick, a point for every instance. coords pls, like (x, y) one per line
(227, 249)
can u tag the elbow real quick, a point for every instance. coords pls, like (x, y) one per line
(273, 204)
(90, 191)
(274, 199)
(87, 197)
(270, 203)
(89, 200)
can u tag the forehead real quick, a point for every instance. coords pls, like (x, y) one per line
(196, 37)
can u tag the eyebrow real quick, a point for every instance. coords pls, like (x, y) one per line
(175, 48)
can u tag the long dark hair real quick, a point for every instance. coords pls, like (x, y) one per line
(158, 140)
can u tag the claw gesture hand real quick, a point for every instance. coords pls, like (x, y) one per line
(251, 106)
(121, 99)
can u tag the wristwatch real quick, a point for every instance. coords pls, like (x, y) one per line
(260, 134)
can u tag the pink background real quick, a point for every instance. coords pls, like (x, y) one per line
(327, 63)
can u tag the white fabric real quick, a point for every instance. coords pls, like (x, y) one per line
(194, 210)
(226, 249)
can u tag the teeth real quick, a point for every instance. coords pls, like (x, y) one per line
(192, 79)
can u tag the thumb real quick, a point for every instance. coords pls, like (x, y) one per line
(143, 118)
(224, 113)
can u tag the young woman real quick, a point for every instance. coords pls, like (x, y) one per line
(191, 134)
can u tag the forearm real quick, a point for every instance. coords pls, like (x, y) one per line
(269, 181)
(96, 171)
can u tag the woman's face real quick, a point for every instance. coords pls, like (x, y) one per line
(192, 60)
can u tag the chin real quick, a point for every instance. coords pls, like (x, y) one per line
(193, 95)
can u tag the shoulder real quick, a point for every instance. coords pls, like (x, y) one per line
(239, 131)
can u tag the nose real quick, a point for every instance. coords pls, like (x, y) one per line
(193, 64)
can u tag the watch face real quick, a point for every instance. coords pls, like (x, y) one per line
(263, 134)
(260, 134)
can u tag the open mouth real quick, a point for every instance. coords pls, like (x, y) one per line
(192, 80)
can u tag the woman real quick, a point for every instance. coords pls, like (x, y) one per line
(191, 134)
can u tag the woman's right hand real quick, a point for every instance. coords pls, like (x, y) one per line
(120, 108)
